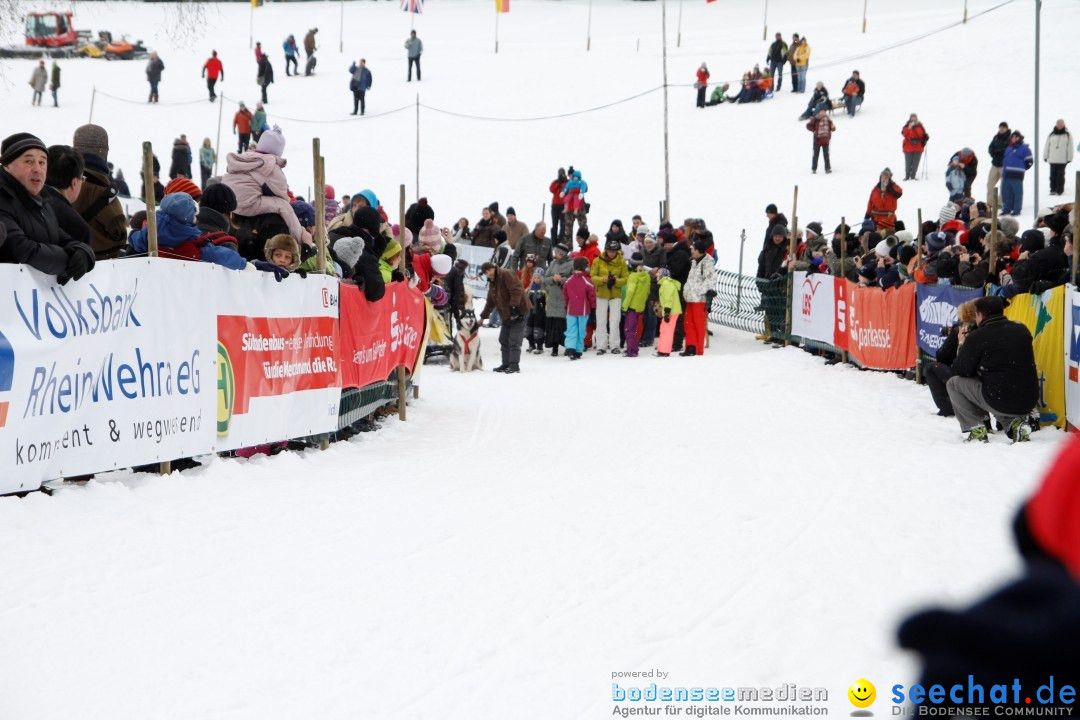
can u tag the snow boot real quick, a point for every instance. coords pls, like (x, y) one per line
(978, 434)
(1019, 431)
(555, 351)
(513, 368)
(660, 354)
(690, 351)
(501, 369)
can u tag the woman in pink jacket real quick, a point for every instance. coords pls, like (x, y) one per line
(257, 179)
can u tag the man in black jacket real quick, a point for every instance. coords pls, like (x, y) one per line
(678, 263)
(455, 288)
(994, 373)
(997, 156)
(777, 58)
(33, 235)
(63, 183)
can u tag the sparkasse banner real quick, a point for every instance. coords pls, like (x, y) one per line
(876, 327)
(114, 370)
(277, 353)
(378, 337)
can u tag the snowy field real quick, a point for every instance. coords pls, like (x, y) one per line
(751, 517)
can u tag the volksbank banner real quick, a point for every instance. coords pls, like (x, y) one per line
(111, 371)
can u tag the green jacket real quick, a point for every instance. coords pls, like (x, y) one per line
(385, 270)
(669, 295)
(601, 268)
(258, 121)
(311, 265)
(718, 95)
(637, 291)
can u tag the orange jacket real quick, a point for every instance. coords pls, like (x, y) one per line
(882, 205)
(242, 122)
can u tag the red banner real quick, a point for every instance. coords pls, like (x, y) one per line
(877, 328)
(376, 337)
(270, 357)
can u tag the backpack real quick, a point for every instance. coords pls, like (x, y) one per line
(251, 233)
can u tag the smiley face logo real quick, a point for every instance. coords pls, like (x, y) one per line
(862, 693)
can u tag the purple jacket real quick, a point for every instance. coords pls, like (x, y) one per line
(580, 294)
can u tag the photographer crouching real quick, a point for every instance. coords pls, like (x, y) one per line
(938, 373)
(993, 374)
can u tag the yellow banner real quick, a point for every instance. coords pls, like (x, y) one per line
(1044, 316)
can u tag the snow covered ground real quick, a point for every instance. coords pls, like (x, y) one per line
(747, 518)
(751, 517)
(727, 162)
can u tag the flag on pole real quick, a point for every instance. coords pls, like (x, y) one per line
(502, 6)
(412, 6)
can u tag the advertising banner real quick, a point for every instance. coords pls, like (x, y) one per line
(1072, 355)
(475, 256)
(114, 370)
(277, 355)
(876, 327)
(378, 337)
(936, 310)
(1044, 316)
(813, 307)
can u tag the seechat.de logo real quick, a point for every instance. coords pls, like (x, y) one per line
(226, 390)
(7, 374)
(862, 694)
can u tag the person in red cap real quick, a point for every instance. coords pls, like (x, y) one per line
(1046, 527)
(182, 184)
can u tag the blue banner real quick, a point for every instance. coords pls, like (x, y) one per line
(935, 309)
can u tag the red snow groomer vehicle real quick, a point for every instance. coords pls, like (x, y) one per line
(48, 34)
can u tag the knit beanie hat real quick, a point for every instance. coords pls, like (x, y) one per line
(701, 245)
(405, 236)
(868, 272)
(272, 142)
(636, 259)
(906, 253)
(815, 228)
(509, 211)
(92, 139)
(367, 218)
(430, 235)
(180, 207)
(305, 212)
(181, 184)
(349, 250)
(219, 197)
(936, 241)
(328, 192)
(560, 248)
(393, 248)
(583, 233)
(663, 273)
(441, 264)
(14, 146)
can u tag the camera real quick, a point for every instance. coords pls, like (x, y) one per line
(946, 330)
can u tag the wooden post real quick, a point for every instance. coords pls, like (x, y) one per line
(401, 392)
(93, 96)
(991, 261)
(793, 247)
(320, 203)
(765, 24)
(588, 30)
(165, 467)
(865, 2)
(918, 259)
(965, 11)
(843, 272)
(1076, 228)
(918, 248)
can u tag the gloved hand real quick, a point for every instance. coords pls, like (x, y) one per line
(667, 314)
(516, 318)
(301, 273)
(709, 296)
(610, 281)
(397, 276)
(280, 273)
(79, 263)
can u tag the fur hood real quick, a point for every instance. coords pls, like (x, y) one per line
(284, 242)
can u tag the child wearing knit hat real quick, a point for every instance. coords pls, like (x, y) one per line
(537, 317)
